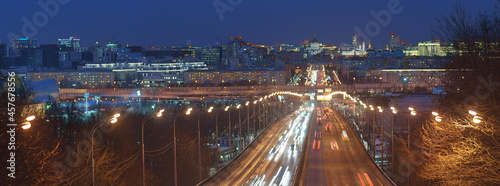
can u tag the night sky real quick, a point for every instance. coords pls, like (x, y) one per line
(173, 22)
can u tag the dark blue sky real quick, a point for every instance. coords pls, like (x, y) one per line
(173, 22)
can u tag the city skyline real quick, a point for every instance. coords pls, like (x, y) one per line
(154, 26)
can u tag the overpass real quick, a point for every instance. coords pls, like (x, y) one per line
(186, 92)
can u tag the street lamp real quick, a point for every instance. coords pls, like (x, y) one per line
(27, 124)
(239, 119)
(175, 145)
(159, 114)
(477, 119)
(413, 112)
(382, 138)
(230, 138)
(199, 140)
(471, 112)
(394, 112)
(438, 118)
(248, 121)
(113, 119)
(254, 116)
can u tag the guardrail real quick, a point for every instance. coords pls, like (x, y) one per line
(301, 168)
(368, 153)
(206, 180)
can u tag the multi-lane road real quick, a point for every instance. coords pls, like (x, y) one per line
(336, 157)
(273, 158)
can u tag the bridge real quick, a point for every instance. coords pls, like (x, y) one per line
(295, 150)
(188, 92)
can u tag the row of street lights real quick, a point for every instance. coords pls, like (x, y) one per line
(158, 114)
(226, 109)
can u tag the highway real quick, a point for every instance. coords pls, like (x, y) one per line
(336, 157)
(273, 158)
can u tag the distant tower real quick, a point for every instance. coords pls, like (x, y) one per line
(369, 44)
(355, 40)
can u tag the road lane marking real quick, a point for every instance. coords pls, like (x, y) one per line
(368, 179)
(361, 179)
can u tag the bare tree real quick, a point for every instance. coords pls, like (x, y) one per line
(458, 152)
(461, 150)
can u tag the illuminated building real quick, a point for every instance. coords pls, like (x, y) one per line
(212, 56)
(355, 49)
(74, 79)
(430, 48)
(237, 77)
(71, 42)
(23, 43)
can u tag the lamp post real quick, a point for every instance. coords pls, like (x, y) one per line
(382, 139)
(230, 137)
(254, 116)
(159, 114)
(248, 122)
(413, 113)
(175, 145)
(113, 119)
(239, 118)
(260, 114)
(373, 129)
(199, 141)
(217, 137)
(394, 112)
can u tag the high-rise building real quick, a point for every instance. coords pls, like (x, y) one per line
(23, 43)
(71, 42)
(32, 57)
(212, 56)
(50, 55)
(3, 50)
(234, 45)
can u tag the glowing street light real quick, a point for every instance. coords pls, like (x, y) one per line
(411, 108)
(413, 113)
(471, 112)
(116, 115)
(435, 113)
(438, 118)
(477, 119)
(26, 125)
(30, 118)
